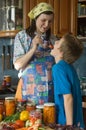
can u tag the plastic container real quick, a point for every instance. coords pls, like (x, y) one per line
(10, 106)
(49, 113)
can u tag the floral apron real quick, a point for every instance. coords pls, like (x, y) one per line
(37, 81)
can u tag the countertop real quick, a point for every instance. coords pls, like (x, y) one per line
(7, 92)
(11, 93)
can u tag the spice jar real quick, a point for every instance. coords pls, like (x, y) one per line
(10, 105)
(49, 113)
(30, 106)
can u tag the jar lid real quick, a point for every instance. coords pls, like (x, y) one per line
(21, 100)
(49, 104)
(7, 76)
(30, 104)
(40, 106)
(9, 98)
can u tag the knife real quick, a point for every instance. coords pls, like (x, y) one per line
(8, 57)
(3, 58)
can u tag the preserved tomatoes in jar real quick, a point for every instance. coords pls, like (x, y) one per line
(2, 108)
(10, 106)
(49, 113)
(30, 107)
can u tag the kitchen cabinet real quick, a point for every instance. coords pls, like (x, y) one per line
(81, 19)
(13, 15)
(65, 12)
(65, 16)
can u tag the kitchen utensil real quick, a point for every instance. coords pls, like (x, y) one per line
(3, 58)
(8, 66)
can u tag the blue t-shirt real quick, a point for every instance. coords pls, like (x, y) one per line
(66, 82)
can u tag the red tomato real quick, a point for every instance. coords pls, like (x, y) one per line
(20, 123)
(15, 126)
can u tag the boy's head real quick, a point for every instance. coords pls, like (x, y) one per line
(68, 48)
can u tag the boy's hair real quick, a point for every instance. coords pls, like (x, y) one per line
(71, 47)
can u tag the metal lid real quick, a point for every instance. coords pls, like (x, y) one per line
(40, 106)
(49, 104)
(9, 98)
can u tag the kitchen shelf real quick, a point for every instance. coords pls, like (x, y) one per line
(82, 16)
(10, 33)
(82, 0)
(81, 20)
(81, 38)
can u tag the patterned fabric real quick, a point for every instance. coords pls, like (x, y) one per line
(37, 81)
(41, 7)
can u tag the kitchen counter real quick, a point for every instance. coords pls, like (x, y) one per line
(11, 93)
(2, 97)
(7, 92)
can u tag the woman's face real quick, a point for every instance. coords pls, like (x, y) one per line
(43, 23)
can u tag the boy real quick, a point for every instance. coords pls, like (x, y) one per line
(67, 91)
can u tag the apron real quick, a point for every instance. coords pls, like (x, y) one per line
(37, 86)
(37, 81)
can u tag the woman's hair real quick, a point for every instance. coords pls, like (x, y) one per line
(71, 47)
(32, 28)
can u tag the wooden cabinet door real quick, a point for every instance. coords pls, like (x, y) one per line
(67, 16)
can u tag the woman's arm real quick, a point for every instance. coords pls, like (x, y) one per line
(68, 105)
(22, 61)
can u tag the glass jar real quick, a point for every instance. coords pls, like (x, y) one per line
(7, 78)
(35, 117)
(20, 105)
(2, 108)
(30, 106)
(10, 106)
(40, 108)
(49, 113)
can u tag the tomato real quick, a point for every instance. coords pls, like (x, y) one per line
(15, 126)
(24, 115)
(20, 123)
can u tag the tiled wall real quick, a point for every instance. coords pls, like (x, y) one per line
(11, 71)
(80, 64)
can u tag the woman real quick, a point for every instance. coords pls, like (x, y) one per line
(32, 56)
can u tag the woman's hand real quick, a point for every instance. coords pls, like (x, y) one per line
(36, 41)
